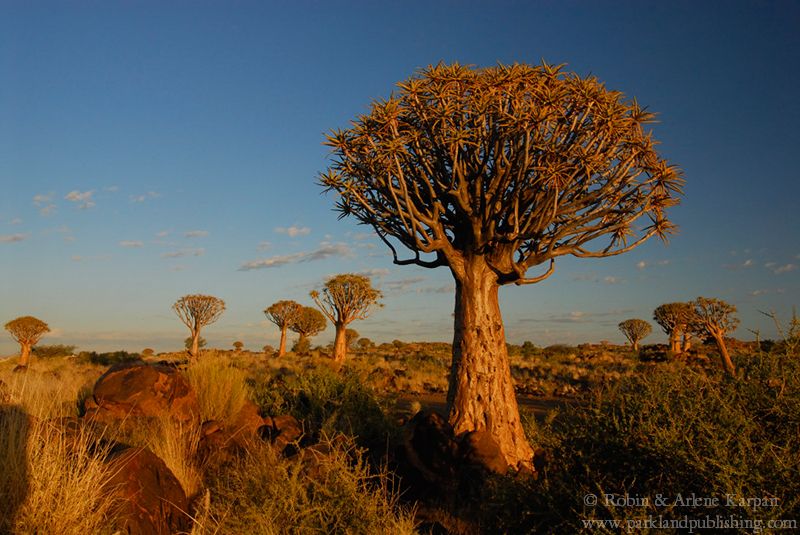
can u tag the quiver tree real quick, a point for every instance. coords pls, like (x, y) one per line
(283, 314)
(635, 330)
(491, 172)
(674, 319)
(27, 331)
(344, 299)
(308, 322)
(715, 318)
(196, 311)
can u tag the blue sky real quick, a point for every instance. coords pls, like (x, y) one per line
(148, 151)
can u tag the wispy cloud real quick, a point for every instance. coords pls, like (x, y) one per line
(184, 252)
(778, 269)
(15, 221)
(446, 289)
(162, 234)
(84, 198)
(264, 245)
(196, 234)
(111, 188)
(325, 250)
(377, 272)
(293, 231)
(11, 238)
(44, 202)
(744, 265)
(145, 196)
(644, 265)
(610, 317)
(131, 243)
(402, 285)
(590, 277)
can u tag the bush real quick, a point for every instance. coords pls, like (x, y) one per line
(676, 431)
(108, 359)
(52, 351)
(324, 493)
(221, 388)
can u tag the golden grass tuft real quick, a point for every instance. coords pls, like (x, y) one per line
(220, 387)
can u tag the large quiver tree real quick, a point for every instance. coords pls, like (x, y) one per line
(674, 319)
(283, 314)
(196, 311)
(635, 330)
(344, 299)
(491, 172)
(715, 318)
(308, 322)
(27, 331)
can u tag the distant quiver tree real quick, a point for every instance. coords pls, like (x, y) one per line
(283, 314)
(27, 331)
(715, 318)
(674, 319)
(309, 322)
(344, 299)
(635, 330)
(196, 311)
(490, 172)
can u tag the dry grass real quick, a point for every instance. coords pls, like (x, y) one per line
(176, 445)
(220, 387)
(51, 480)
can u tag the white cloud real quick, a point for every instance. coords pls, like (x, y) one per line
(145, 196)
(47, 210)
(641, 264)
(11, 238)
(131, 243)
(44, 203)
(778, 270)
(747, 263)
(293, 231)
(82, 197)
(325, 250)
(756, 293)
(403, 284)
(612, 280)
(184, 252)
(196, 234)
(377, 272)
(15, 221)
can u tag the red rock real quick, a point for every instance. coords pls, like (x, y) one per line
(151, 500)
(138, 390)
(282, 431)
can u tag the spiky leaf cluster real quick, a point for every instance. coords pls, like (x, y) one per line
(283, 313)
(519, 163)
(713, 316)
(198, 310)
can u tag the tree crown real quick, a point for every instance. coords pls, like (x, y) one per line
(672, 315)
(27, 329)
(346, 297)
(520, 164)
(309, 322)
(714, 316)
(198, 310)
(635, 329)
(283, 313)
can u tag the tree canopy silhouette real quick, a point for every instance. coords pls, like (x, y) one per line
(308, 322)
(283, 314)
(491, 172)
(715, 318)
(635, 330)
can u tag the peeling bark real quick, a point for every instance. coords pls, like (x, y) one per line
(481, 392)
(340, 343)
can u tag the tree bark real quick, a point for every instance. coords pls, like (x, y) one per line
(636, 345)
(282, 346)
(675, 341)
(481, 394)
(24, 355)
(727, 363)
(195, 344)
(340, 343)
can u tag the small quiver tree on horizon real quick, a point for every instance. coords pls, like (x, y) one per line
(27, 331)
(490, 172)
(308, 323)
(344, 299)
(196, 311)
(283, 314)
(635, 330)
(675, 319)
(715, 318)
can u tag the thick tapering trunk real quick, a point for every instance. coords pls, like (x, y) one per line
(675, 341)
(282, 346)
(481, 391)
(24, 355)
(727, 363)
(195, 350)
(635, 344)
(340, 343)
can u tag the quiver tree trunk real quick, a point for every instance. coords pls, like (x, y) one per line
(635, 344)
(24, 355)
(727, 363)
(481, 394)
(195, 350)
(675, 340)
(282, 346)
(340, 343)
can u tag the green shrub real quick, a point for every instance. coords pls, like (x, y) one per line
(108, 359)
(52, 351)
(674, 431)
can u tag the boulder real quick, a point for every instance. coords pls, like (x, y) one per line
(430, 447)
(282, 432)
(150, 498)
(478, 448)
(137, 390)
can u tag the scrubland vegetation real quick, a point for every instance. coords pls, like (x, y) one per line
(671, 425)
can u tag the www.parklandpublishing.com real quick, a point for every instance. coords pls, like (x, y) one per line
(691, 525)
